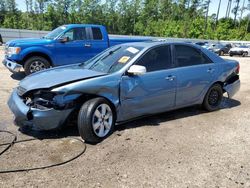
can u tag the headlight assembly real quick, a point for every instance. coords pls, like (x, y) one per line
(13, 50)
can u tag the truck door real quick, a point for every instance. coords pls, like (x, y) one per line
(98, 42)
(76, 50)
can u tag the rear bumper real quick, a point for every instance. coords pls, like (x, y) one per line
(39, 119)
(232, 88)
(12, 66)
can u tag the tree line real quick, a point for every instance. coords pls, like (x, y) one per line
(164, 18)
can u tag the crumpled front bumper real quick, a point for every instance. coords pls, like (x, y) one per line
(232, 88)
(11, 65)
(39, 119)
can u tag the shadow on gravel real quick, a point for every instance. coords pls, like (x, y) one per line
(18, 75)
(67, 131)
(155, 120)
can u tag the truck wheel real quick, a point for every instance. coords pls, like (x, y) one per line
(34, 64)
(96, 120)
(213, 98)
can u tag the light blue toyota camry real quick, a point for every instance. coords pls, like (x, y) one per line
(122, 83)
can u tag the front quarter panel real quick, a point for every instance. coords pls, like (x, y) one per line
(104, 86)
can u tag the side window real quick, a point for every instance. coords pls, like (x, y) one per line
(188, 56)
(80, 34)
(156, 59)
(70, 34)
(76, 34)
(97, 34)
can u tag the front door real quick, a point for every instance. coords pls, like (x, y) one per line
(76, 50)
(152, 92)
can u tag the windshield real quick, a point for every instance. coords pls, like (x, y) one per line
(112, 59)
(53, 34)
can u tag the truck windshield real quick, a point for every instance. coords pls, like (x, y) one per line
(113, 59)
(53, 34)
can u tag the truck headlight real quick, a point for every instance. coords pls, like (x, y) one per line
(13, 50)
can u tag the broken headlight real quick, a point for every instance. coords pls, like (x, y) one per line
(43, 99)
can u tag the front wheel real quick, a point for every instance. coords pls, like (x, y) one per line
(213, 98)
(95, 120)
(35, 64)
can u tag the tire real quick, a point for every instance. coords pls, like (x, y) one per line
(35, 64)
(90, 126)
(244, 54)
(222, 53)
(213, 98)
(231, 55)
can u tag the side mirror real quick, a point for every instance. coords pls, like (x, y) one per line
(137, 70)
(64, 39)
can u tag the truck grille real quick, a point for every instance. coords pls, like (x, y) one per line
(20, 90)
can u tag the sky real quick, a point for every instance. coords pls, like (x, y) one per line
(212, 9)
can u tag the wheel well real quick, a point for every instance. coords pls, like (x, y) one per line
(86, 97)
(220, 83)
(37, 54)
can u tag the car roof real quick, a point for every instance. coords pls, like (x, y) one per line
(149, 44)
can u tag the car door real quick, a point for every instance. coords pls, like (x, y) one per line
(195, 72)
(97, 42)
(76, 50)
(152, 92)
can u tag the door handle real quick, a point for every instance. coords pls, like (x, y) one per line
(87, 45)
(210, 70)
(170, 78)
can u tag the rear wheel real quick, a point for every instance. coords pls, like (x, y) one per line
(95, 120)
(213, 98)
(35, 64)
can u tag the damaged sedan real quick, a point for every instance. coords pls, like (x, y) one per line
(122, 83)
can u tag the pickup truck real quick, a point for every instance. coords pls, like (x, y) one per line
(67, 44)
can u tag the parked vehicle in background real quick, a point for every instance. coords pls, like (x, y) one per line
(220, 49)
(124, 82)
(240, 50)
(201, 43)
(66, 44)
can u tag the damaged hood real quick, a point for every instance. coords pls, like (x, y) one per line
(57, 76)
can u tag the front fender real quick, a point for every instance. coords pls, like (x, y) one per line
(35, 49)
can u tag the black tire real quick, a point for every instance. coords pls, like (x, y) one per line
(244, 54)
(85, 120)
(29, 64)
(213, 98)
(231, 55)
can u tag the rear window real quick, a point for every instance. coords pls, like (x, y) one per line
(97, 34)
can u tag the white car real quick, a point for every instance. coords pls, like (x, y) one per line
(240, 50)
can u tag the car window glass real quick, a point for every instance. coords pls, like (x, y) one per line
(76, 34)
(156, 59)
(69, 34)
(97, 34)
(80, 34)
(188, 56)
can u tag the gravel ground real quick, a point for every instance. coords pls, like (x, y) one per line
(183, 148)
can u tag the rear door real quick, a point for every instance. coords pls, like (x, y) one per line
(152, 92)
(98, 42)
(195, 72)
(76, 50)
